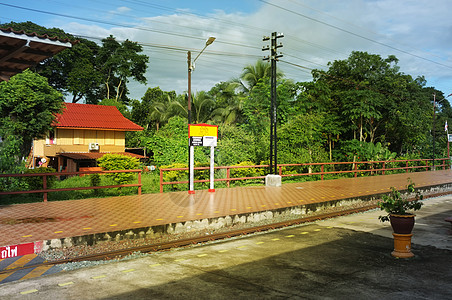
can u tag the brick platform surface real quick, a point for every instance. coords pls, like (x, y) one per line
(60, 219)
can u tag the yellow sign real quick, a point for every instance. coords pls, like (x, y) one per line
(202, 130)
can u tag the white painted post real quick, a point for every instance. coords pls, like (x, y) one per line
(212, 168)
(191, 170)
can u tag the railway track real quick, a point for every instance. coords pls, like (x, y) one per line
(198, 240)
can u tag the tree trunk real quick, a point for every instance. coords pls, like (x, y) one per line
(361, 128)
(330, 146)
(117, 89)
(108, 90)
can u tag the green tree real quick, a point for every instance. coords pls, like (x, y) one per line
(252, 74)
(229, 102)
(88, 71)
(154, 108)
(300, 140)
(28, 106)
(170, 144)
(374, 102)
(358, 86)
(201, 109)
(235, 145)
(118, 62)
(315, 98)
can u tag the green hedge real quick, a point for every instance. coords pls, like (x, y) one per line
(36, 182)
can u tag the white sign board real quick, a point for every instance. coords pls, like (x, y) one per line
(209, 141)
(449, 137)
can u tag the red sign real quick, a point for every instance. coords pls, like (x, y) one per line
(16, 250)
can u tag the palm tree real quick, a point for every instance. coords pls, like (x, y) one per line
(202, 107)
(159, 111)
(228, 101)
(253, 73)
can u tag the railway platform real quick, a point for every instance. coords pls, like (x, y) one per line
(54, 224)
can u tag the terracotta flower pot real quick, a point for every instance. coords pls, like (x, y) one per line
(402, 224)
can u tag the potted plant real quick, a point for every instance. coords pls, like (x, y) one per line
(402, 220)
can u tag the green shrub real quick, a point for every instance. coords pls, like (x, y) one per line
(246, 172)
(176, 175)
(95, 181)
(36, 182)
(202, 175)
(111, 162)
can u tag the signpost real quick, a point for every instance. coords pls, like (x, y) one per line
(201, 135)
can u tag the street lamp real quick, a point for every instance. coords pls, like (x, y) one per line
(191, 68)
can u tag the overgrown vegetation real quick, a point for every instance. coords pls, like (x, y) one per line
(362, 108)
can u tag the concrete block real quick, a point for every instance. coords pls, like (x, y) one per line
(272, 180)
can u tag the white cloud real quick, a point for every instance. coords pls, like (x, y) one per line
(123, 9)
(422, 28)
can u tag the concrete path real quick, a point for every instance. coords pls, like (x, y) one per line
(341, 258)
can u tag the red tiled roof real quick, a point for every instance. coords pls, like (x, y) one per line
(94, 117)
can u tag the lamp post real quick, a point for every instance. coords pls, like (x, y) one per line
(191, 68)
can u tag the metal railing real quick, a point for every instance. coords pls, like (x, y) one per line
(373, 167)
(45, 190)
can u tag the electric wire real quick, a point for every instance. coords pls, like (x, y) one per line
(354, 34)
(360, 27)
(126, 25)
(217, 53)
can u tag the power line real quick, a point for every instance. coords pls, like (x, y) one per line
(354, 34)
(359, 27)
(124, 25)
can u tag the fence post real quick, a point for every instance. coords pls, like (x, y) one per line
(227, 175)
(444, 164)
(139, 182)
(280, 171)
(384, 167)
(44, 183)
(356, 170)
(161, 180)
(406, 167)
(322, 169)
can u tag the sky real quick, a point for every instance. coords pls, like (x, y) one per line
(417, 32)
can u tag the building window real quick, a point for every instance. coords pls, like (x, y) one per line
(51, 138)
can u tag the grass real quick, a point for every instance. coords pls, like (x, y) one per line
(149, 181)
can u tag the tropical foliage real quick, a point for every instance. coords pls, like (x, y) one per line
(113, 161)
(27, 109)
(359, 108)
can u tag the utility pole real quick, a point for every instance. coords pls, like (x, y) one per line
(273, 107)
(434, 134)
(190, 69)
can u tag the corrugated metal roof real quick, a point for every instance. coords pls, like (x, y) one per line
(20, 50)
(91, 116)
